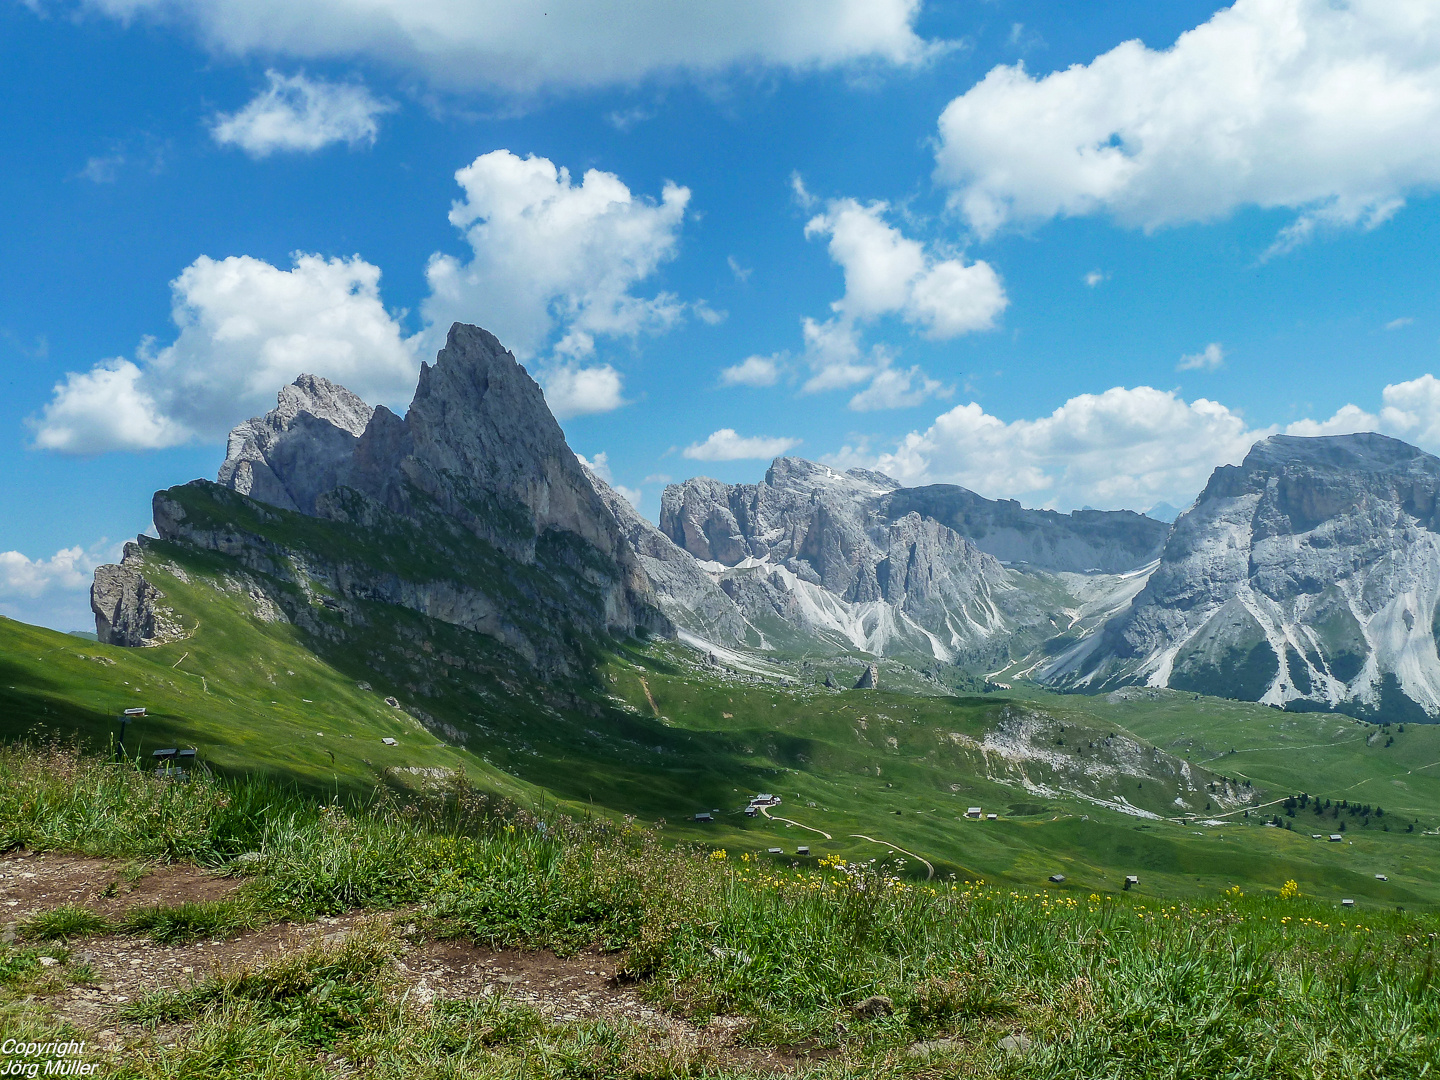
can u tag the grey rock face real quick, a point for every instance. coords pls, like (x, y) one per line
(814, 551)
(1110, 541)
(685, 592)
(478, 451)
(127, 607)
(296, 452)
(1310, 572)
(479, 431)
(869, 678)
(728, 523)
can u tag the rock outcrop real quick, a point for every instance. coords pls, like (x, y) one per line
(1307, 576)
(689, 596)
(849, 557)
(127, 606)
(296, 452)
(772, 520)
(1107, 541)
(471, 510)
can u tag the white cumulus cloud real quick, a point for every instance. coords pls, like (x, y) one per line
(1125, 447)
(1210, 358)
(726, 445)
(1408, 410)
(245, 329)
(555, 266)
(752, 371)
(890, 274)
(896, 389)
(576, 391)
(295, 112)
(519, 47)
(51, 592)
(1327, 109)
(553, 256)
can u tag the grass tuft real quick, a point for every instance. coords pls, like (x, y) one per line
(64, 923)
(179, 923)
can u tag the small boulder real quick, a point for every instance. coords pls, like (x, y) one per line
(926, 1047)
(1015, 1045)
(876, 1005)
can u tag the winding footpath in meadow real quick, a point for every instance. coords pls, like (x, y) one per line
(929, 866)
(766, 811)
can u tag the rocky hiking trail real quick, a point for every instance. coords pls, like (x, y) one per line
(125, 966)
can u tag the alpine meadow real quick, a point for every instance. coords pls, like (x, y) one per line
(875, 539)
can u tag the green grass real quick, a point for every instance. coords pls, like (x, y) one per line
(64, 923)
(647, 734)
(812, 749)
(179, 923)
(1116, 986)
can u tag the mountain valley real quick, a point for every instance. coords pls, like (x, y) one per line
(460, 583)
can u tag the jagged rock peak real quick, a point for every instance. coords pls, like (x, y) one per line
(478, 415)
(477, 452)
(294, 452)
(797, 474)
(728, 523)
(1306, 576)
(126, 607)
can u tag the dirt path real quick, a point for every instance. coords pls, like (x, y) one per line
(1257, 806)
(125, 967)
(766, 811)
(929, 866)
(33, 883)
(646, 687)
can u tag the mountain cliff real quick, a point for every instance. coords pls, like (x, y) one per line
(1308, 576)
(858, 560)
(471, 510)
(1104, 541)
(773, 520)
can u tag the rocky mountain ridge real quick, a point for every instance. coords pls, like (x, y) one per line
(855, 559)
(777, 520)
(1308, 576)
(477, 474)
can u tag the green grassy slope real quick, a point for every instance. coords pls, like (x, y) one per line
(657, 733)
(1328, 754)
(817, 752)
(249, 697)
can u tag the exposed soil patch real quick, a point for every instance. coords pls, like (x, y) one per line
(32, 883)
(125, 967)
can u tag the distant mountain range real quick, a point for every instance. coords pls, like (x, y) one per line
(1307, 577)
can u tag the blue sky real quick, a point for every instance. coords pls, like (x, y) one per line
(1070, 254)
